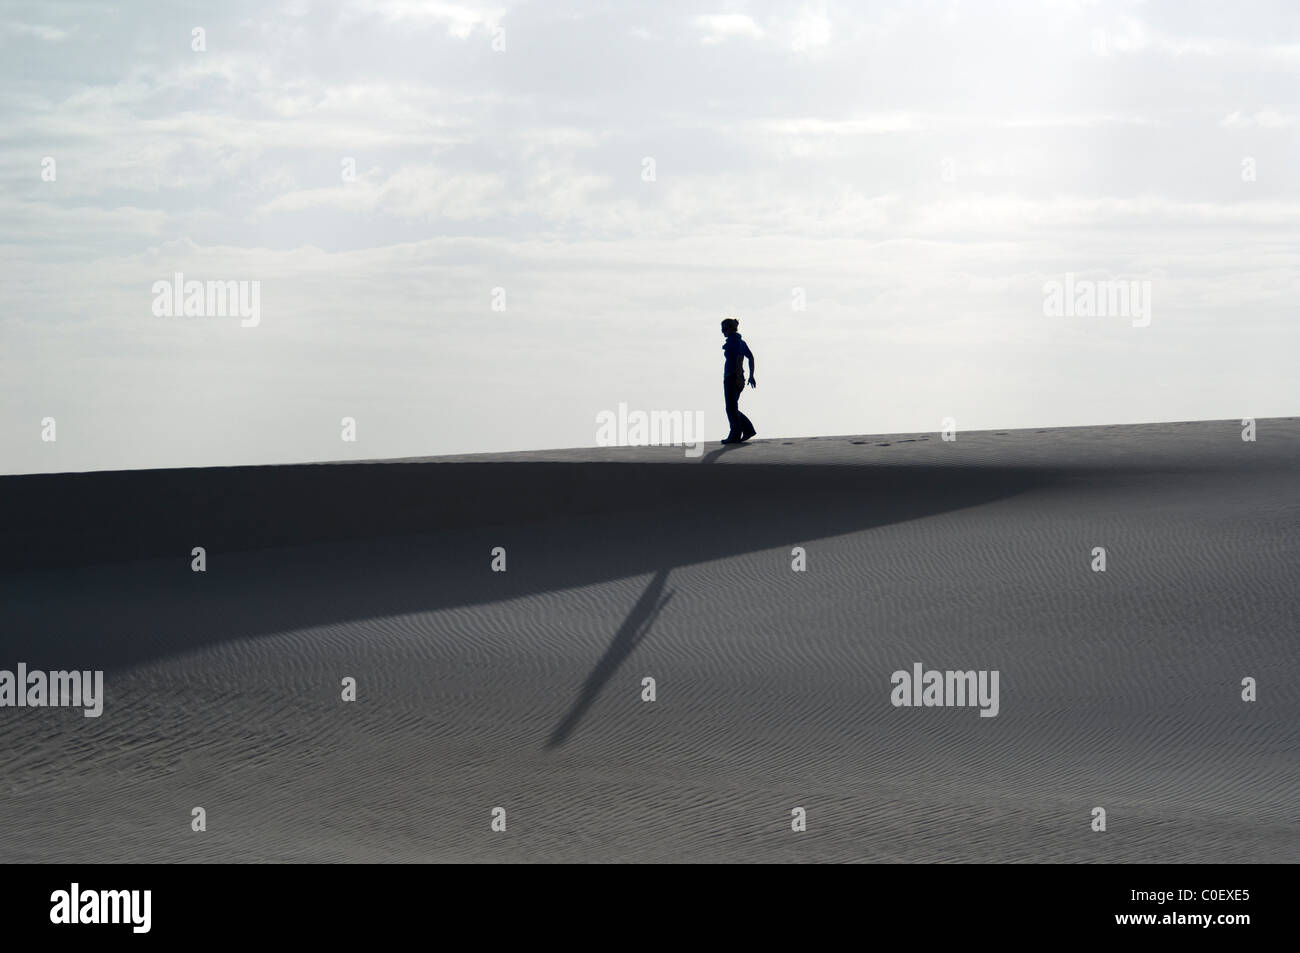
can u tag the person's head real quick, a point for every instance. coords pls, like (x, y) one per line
(730, 326)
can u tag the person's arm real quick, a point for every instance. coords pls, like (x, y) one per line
(750, 354)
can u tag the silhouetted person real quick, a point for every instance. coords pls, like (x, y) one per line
(735, 351)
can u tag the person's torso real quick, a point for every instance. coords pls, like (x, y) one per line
(733, 351)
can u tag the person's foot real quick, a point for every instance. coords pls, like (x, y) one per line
(746, 436)
(729, 440)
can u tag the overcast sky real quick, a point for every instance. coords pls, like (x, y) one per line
(912, 174)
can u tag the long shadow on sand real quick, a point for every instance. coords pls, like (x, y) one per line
(634, 628)
(607, 522)
(630, 634)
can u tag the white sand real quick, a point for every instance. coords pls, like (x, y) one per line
(522, 690)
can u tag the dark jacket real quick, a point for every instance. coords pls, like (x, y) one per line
(734, 351)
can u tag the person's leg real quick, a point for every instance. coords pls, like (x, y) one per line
(742, 427)
(734, 416)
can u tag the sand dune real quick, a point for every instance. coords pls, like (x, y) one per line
(523, 689)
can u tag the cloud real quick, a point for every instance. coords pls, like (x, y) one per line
(1268, 118)
(423, 192)
(719, 27)
(41, 31)
(460, 20)
(811, 29)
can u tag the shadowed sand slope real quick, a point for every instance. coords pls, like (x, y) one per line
(524, 689)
